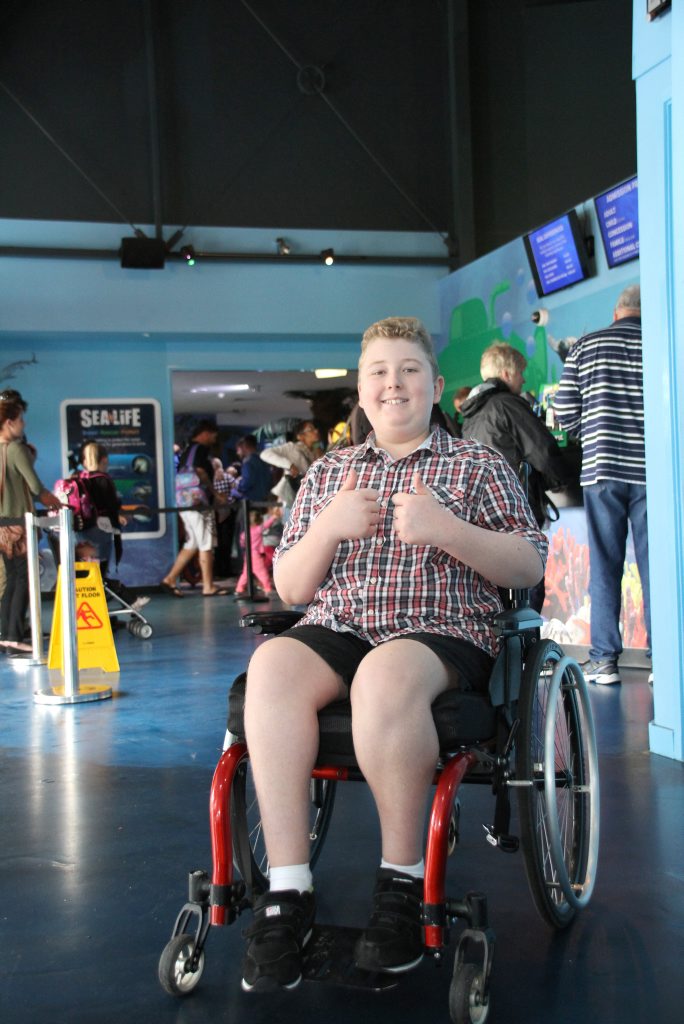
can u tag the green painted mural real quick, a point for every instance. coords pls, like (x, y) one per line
(472, 328)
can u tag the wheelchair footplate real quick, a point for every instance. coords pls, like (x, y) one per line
(329, 956)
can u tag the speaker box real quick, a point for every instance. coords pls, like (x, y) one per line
(143, 253)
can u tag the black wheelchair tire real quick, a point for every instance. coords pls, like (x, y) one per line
(248, 834)
(552, 884)
(466, 996)
(172, 971)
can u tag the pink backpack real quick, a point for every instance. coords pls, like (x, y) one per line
(72, 491)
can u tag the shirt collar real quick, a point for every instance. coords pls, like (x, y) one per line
(435, 442)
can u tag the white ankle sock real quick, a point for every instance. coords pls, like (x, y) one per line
(290, 876)
(415, 870)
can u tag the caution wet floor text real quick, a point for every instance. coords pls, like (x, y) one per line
(95, 641)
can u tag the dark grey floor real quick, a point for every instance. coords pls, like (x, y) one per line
(104, 812)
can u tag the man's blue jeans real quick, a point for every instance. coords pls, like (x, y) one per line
(610, 507)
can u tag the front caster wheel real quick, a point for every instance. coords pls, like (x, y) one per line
(468, 1003)
(175, 975)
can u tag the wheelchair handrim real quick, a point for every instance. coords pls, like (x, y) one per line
(577, 893)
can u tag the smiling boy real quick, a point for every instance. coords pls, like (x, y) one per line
(398, 546)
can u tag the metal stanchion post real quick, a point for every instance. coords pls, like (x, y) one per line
(67, 561)
(34, 588)
(70, 693)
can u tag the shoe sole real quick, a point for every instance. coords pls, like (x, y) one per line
(605, 681)
(266, 984)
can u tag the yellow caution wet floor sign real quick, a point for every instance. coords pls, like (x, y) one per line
(95, 641)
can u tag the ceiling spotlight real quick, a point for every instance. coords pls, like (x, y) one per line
(188, 254)
(328, 257)
(283, 248)
(325, 373)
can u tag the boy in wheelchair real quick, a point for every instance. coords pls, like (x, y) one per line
(398, 546)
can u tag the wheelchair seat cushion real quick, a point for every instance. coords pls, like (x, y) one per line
(462, 718)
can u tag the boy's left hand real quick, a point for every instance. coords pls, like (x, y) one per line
(418, 518)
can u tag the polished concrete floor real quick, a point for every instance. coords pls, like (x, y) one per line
(104, 812)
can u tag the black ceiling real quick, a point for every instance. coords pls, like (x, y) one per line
(474, 119)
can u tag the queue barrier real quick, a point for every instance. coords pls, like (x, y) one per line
(71, 691)
(245, 507)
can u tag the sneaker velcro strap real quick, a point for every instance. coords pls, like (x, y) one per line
(278, 912)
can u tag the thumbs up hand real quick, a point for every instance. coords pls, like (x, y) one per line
(418, 517)
(353, 513)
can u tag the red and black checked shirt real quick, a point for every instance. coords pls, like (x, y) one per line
(380, 587)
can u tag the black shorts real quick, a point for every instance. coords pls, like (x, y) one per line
(343, 652)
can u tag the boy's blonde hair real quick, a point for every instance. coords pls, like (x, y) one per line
(500, 357)
(407, 327)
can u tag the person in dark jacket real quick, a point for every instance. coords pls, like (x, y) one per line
(496, 414)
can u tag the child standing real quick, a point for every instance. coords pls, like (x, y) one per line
(259, 567)
(272, 532)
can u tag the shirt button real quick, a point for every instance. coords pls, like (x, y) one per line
(373, 579)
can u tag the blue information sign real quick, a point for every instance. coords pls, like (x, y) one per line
(618, 216)
(556, 254)
(130, 430)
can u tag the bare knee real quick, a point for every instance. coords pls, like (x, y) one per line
(382, 694)
(285, 673)
(268, 677)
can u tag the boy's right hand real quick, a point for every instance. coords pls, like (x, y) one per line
(355, 513)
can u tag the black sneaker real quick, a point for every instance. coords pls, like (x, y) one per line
(603, 672)
(393, 940)
(282, 926)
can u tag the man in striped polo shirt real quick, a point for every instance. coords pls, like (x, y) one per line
(600, 400)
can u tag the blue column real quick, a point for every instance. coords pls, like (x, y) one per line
(659, 75)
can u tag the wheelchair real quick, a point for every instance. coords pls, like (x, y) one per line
(532, 735)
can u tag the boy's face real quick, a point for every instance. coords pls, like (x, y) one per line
(396, 389)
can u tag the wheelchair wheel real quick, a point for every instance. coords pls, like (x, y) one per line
(557, 782)
(249, 850)
(174, 975)
(467, 1002)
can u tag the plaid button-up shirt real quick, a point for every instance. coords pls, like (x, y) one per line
(379, 587)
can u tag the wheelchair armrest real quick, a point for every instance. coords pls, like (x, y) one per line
(270, 622)
(515, 620)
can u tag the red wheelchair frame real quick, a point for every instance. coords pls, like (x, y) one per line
(542, 715)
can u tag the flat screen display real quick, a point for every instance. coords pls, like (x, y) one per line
(557, 254)
(617, 211)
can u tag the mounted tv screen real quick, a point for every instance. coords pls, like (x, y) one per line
(558, 254)
(617, 211)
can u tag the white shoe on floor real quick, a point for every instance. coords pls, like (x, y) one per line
(140, 602)
(603, 672)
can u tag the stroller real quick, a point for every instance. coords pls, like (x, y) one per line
(120, 608)
(120, 601)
